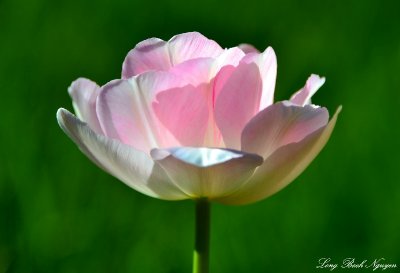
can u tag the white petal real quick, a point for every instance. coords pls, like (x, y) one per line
(133, 167)
(191, 45)
(266, 62)
(206, 172)
(84, 94)
(303, 96)
(282, 167)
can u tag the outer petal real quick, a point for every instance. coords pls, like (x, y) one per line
(192, 45)
(303, 96)
(247, 48)
(155, 54)
(266, 62)
(282, 167)
(151, 54)
(204, 70)
(131, 166)
(281, 124)
(237, 102)
(154, 109)
(206, 172)
(84, 93)
(124, 113)
(230, 57)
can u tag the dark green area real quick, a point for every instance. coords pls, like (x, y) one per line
(60, 213)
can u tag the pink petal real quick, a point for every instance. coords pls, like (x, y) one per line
(282, 167)
(84, 93)
(155, 54)
(266, 62)
(192, 45)
(125, 112)
(194, 71)
(202, 70)
(303, 96)
(184, 112)
(229, 57)
(206, 172)
(133, 167)
(281, 124)
(151, 54)
(237, 102)
(247, 48)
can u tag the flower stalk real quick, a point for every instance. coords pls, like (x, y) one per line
(202, 237)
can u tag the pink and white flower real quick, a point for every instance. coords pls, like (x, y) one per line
(192, 120)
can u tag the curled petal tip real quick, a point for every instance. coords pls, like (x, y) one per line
(61, 115)
(303, 96)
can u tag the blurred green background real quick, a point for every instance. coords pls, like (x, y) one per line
(60, 213)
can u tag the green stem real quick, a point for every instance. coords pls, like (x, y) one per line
(202, 239)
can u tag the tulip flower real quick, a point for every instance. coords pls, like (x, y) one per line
(191, 120)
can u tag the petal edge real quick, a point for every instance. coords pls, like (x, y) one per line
(282, 167)
(133, 167)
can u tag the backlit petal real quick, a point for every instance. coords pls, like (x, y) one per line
(183, 111)
(84, 94)
(303, 96)
(151, 54)
(194, 71)
(281, 124)
(156, 54)
(192, 45)
(237, 102)
(266, 62)
(282, 167)
(125, 111)
(229, 57)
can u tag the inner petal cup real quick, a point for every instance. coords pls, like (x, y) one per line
(206, 172)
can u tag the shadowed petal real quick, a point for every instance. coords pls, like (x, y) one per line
(303, 96)
(280, 124)
(282, 167)
(206, 172)
(247, 48)
(133, 167)
(84, 93)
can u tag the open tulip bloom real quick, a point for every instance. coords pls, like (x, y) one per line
(191, 120)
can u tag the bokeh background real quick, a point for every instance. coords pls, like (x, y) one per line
(60, 213)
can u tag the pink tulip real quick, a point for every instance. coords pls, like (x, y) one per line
(191, 120)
